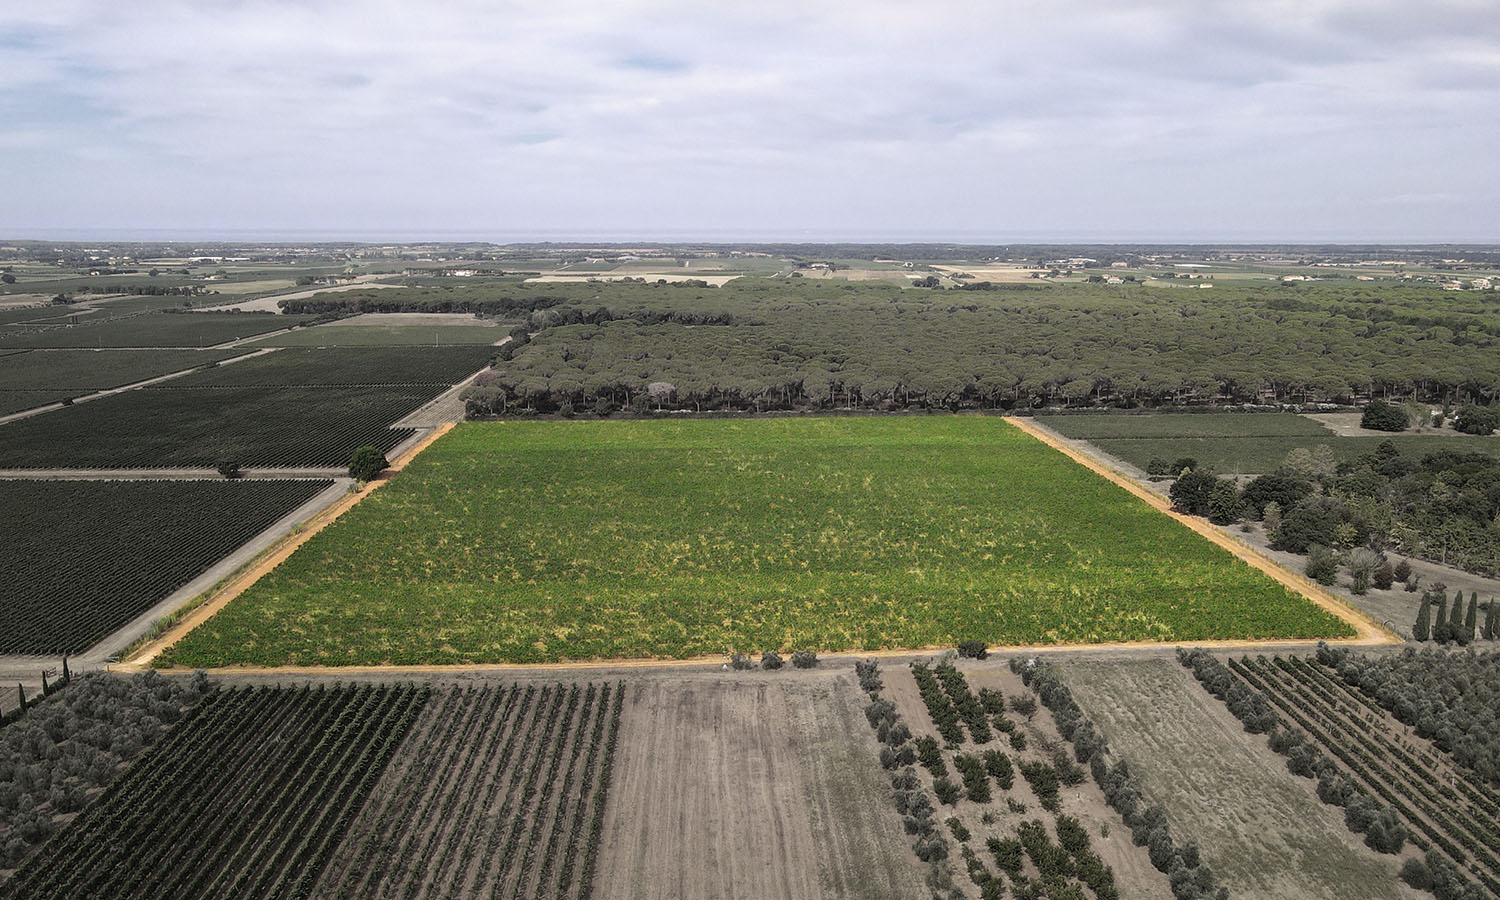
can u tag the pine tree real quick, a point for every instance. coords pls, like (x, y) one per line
(1471, 616)
(1423, 629)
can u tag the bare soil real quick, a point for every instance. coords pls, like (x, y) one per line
(1347, 425)
(751, 788)
(1262, 829)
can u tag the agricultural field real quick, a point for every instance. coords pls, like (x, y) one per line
(73, 743)
(1238, 443)
(498, 791)
(344, 367)
(312, 426)
(1263, 830)
(530, 542)
(395, 335)
(198, 329)
(760, 785)
(35, 377)
(83, 558)
(995, 796)
(249, 796)
(1444, 808)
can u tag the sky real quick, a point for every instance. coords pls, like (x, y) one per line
(984, 121)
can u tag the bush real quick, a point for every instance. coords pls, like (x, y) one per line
(1402, 572)
(1192, 491)
(1361, 562)
(229, 468)
(973, 650)
(1476, 420)
(805, 659)
(741, 662)
(1322, 565)
(1383, 576)
(366, 463)
(1381, 416)
(946, 791)
(770, 660)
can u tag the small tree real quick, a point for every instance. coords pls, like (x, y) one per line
(770, 660)
(1383, 576)
(1322, 566)
(805, 659)
(229, 468)
(1023, 705)
(366, 463)
(1402, 571)
(8, 278)
(1382, 416)
(973, 650)
(1361, 563)
(1422, 630)
(1224, 502)
(1272, 520)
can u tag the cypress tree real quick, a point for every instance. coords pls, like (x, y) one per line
(21, 692)
(1471, 615)
(1456, 615)
(45, 688)
(67, 676)
(1489, 619)
(1441, 618)
(1423, 629)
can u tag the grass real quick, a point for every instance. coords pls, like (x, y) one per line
(384, 335)
(1239, 443)
(533, 542)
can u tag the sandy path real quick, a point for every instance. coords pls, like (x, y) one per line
(141, 660)
(1368, 630)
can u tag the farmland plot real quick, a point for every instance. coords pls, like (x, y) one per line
(498, 792)
(247, 797)
(525, 542)
(35, 378)
(314, 426)
(83, 558)
(150, 330)
(763, 787)
(1264, 830)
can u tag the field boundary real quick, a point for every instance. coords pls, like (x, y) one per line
(1368, 631)
(257, 568)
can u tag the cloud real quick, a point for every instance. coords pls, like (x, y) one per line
(943, 119)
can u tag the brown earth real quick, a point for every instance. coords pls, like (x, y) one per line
(751, 788)
(1262, 829)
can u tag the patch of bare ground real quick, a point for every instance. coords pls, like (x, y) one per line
(1346, 424)
(751, 788)
(1262, 829)
(1109, 835)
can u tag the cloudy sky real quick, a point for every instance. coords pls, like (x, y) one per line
(1004, 120)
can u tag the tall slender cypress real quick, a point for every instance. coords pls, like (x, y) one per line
(1471, 615)
(1423, 629)
(1441, 617)
(1456, 615)
(1489, 618)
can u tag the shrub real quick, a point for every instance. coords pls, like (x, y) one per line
(805, 659)
(1322, 566)
(1361, 562)
(960, 833)
(770, 660)
(1381, 416)
(868, 672)
(973, 650)
(1024, 705)
(1402, 572)
(946, 791)
(1476, 420)
(741, 662)
(1383, 576)
(366, 463)
(229, 468)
